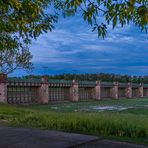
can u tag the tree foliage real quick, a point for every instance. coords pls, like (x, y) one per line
(100, 13)
(11, 60)
(104, 77)
(21, 20)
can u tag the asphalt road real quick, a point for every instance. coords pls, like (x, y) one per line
(11, 137)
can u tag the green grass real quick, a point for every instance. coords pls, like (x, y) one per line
(137, 111)
(130, 124)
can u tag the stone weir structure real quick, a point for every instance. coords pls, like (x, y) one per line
(44, 91)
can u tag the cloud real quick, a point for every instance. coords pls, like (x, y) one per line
(72, 46)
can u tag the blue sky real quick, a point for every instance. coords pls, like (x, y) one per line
(73, 48)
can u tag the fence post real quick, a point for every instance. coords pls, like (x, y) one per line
(140, 90)
(97, 91)
(114, 90)
(3, 88)
(128, 91)
(43, 91)
(74, 91)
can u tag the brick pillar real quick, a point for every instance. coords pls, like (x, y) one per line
(140, 90)
(74, 91)
(128, 91)
(3, 88)
(97, 91)
(114, 91)
(43, 91)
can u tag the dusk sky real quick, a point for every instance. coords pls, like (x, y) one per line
(72, 47)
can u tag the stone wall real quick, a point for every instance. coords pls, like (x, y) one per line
(45, 91)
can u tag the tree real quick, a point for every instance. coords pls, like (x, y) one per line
(15, 59)
(100, 13)
(22, 20)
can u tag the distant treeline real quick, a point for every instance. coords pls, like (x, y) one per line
(93, 77)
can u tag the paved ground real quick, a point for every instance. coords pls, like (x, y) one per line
(103, 143)
(11, 137)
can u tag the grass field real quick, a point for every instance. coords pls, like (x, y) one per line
(125, 119)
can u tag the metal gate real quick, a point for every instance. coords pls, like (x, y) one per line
(145, 92)
(121, 92)
(22, 94)
(85, 93)
(59, 93)
(105, 92)
(134, 92)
